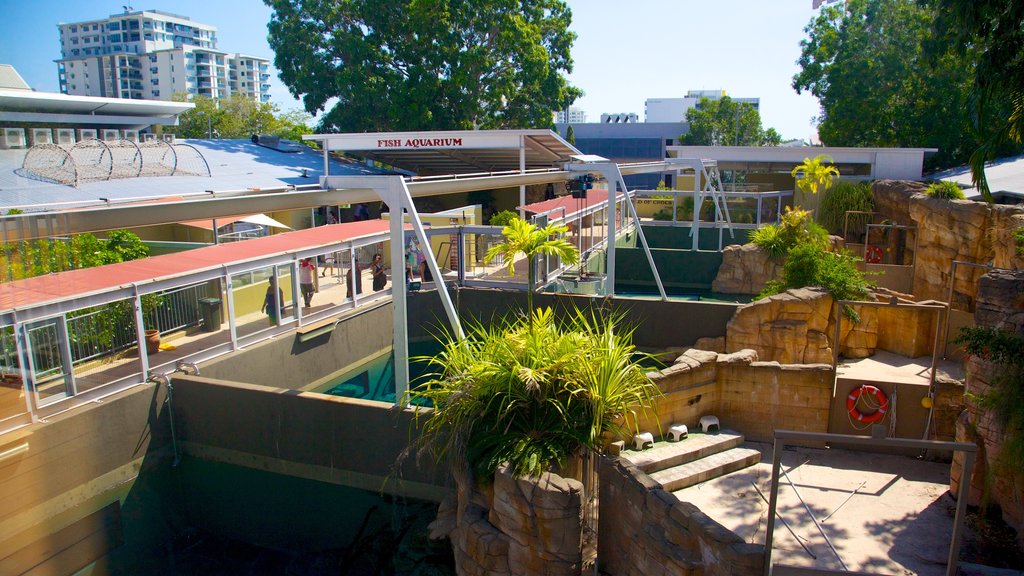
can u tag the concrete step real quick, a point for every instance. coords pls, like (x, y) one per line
(668, 454)
(707, 468)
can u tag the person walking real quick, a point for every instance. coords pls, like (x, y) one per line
(307, 275)
(356, 271)
(272, 301)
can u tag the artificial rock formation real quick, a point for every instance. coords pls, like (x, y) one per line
(1000, 305)
(745, 269)
(950, 230)
(514, 526)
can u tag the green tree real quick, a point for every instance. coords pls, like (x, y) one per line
(570, 135)
(993, 32)
(425, 65)
(865, 62)
(521, 237)
(725, 122)
(238, 116)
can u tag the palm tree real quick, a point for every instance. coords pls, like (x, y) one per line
(521, 237)
(814, 175)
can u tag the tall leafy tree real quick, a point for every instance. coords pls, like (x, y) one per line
(993, 32)
(725, 122)
(865, 61)
(238, 116)
(425, 64)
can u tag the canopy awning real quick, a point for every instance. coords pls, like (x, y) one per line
(260, 219)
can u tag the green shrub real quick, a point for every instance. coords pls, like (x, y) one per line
(945, 190)
(530, 393)
(1018, 237)
(809, 264)
(795, 229)
(842, 197)
(503, 218)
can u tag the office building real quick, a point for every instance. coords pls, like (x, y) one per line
(674, 109)
(151, 55)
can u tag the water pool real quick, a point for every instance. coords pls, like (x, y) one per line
(374, 379)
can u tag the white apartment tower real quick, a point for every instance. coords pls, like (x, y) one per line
(572, 115)
(674, 109)
(151, 55)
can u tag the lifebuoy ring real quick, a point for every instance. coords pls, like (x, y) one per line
(880, 397)
(873, 255)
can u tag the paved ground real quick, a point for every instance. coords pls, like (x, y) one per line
(899, 522)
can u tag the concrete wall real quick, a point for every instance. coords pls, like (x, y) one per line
(646, 531)
(661, 324)
(285, 362)
(343, 441)
(89, 485)
(753, 398)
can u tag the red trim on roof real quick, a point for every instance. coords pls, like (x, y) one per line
(65, 285)
(570, 204)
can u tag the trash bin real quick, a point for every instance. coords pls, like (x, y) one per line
(210, 309)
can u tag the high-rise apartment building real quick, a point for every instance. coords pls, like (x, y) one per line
(573, 115)
(151, 55)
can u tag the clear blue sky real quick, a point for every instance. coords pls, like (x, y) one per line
(626, 51)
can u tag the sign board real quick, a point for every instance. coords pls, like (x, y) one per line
(422, 141)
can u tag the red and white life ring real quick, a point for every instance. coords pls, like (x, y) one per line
(873, 255)
(880, 398)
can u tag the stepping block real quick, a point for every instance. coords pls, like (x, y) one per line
(706, 422)
(678, 432)
(643, 439)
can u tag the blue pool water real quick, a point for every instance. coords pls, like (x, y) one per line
(375, 380)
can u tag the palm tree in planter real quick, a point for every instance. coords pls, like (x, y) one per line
(531, 392)
(521, 237)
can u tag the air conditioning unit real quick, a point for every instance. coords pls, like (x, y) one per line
(147, 137)
(86, 134)
(12, 138)
(110, 135)
(41, 136)
(132, 135)
(65, 136)
(169, 138)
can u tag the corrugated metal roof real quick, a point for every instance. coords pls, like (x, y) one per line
(65, 285)
(234, 165)
(52, 102)
(569, 204)
(1003, 175)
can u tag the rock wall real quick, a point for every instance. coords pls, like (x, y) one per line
(649, 532)
(798, 327)
(526, 526)
(748, 396)
(1000, 305)
(745, 269)
(950, 230)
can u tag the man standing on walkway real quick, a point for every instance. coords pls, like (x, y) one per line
(307, 274)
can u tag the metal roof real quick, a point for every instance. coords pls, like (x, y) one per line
(234, 165)
(455, 151)
(50, 102)
(40, 290)
(567, 205)
(1003, 175)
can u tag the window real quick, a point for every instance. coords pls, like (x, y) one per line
(74, 29)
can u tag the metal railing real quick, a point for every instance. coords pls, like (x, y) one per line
(179, 308)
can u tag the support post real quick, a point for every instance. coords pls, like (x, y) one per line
(140, 332)
(612, 175)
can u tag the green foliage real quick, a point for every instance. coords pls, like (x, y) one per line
(503, 218)
(810, 264)
(38, 257)
(725, 122)
(1006, 398)
(989, 34)
(531, 393)
(865, 61)
(813, 175)
(944, 190)
(796, 228)
(570, 135)
(238, 117)
(841, 197)
(411, 65)
(1018, 237)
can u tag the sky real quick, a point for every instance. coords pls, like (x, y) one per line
(625, 52)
